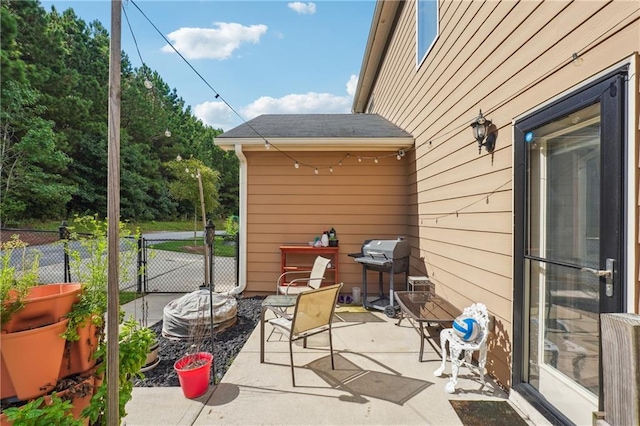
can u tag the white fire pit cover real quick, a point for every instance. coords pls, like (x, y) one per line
(180, 313)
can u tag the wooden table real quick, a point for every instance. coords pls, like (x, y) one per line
(278, 304)
(425, 307)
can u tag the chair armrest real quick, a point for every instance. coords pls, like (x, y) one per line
(285, 274)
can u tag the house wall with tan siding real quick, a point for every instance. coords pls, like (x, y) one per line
(505, 58)
(361, 200)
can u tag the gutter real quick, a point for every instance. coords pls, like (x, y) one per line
(242, 250)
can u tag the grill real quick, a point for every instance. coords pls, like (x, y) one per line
(391, 256)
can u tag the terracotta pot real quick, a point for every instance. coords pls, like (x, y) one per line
(45, 304)
(4, 421)
(79, 355)
(6, 385)
(79, 394)
(32, 359)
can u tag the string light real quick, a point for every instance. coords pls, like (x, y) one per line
(331, 169)
(316, 170)
(577, 60)
(296, 165)
(148, 84)
(167, 133)
(376, 160)
(266, 144)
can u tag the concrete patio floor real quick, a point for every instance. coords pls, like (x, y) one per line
(378, 380)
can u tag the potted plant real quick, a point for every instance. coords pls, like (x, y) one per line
(32, 319)
(194, 369)
(89, 263)
(134, 346)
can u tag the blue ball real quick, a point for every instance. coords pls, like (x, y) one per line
(466, 328)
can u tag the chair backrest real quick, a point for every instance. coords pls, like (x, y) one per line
(315, 308)
(478, 311)
(317, 271)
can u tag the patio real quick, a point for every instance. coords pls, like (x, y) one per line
(378, 380)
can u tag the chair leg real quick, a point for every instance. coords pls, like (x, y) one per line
(333, 367)
(443, 351)
(455, 366)
(293, 376)
(482, 361)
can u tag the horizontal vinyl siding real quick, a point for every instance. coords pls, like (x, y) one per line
(504, 58)
(361, 200)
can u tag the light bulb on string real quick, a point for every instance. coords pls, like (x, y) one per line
(359, 159)
(376, 160)
(331, 169)
(167, 133)
(398, 157)
(148, 84)
(266, 145)
(316, 170)
(296, 165)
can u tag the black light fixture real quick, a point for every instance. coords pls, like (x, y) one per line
(480, 128)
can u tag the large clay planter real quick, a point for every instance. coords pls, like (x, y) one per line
(194, 380)
(79, 394)
(79, 355)
(45, 304)
(32, 359)
(6, 385)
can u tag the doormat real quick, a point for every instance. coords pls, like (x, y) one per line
(357, 317)
(482, 413)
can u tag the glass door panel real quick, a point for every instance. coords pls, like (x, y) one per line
(563, 233)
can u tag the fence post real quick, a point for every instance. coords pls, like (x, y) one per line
(64, 236)
(210, 236)
(142, 265)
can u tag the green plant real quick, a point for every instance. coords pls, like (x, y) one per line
(231, 226)
(37, 413)
(135, 341)
(89, 263)
(15, 284)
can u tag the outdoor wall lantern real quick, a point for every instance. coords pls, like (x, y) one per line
(481, 127)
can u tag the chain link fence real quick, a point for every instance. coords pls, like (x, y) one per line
(155, 264)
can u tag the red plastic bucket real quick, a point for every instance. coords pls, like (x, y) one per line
(194, 381)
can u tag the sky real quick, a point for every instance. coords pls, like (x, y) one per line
(262, 57)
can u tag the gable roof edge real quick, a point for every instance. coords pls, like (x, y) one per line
(384, 17)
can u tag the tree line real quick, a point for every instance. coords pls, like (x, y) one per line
(54, 83)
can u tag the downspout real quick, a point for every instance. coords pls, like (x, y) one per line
(242, 252)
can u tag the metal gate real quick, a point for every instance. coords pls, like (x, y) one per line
(166, 270)
(163, 265)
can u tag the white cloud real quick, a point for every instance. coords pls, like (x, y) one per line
(213, 43)
(218, 115)
(307, 103)
(351, 85)
(303, 8)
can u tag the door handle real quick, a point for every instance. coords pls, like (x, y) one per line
(607, 273)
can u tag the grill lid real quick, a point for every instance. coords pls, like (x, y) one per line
(384, 250)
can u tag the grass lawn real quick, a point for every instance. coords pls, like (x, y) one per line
(128, 296)
(192, 245)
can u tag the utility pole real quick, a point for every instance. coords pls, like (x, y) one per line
(113, 220)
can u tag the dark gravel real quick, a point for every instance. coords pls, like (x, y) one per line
(226, 346)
